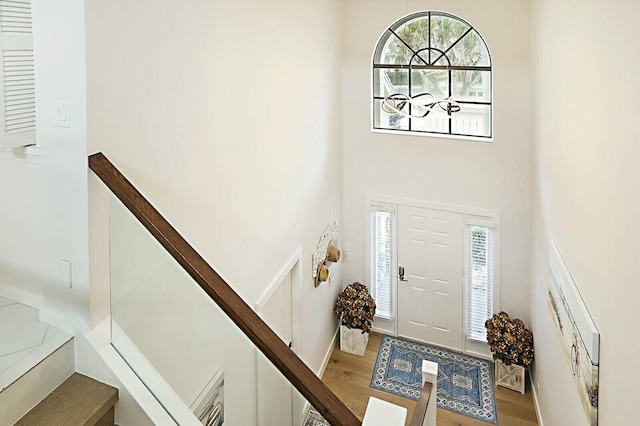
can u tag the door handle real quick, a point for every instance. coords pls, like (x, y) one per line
(401, 274)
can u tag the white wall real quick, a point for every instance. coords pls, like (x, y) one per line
(485, 175)
(22, 217)
(227, 117)
(44, 194)
(587, 193)
(61, 77)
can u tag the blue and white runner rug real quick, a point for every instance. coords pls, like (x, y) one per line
(465, 383)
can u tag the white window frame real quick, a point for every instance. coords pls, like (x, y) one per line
(480, 216)
(472, 346)
(383, 324)
(445, 135)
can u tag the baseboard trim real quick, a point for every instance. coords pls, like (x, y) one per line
(536, 402)
(21, 296)
(327, 356)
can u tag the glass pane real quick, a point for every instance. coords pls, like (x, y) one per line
(445, 31)
(190, 355)
(392, 51)
(415, 33)
(278, 402)
(430, 81)
(389, 81)
(434, 122)
(471, 50)
(472, 120)
(480, 280)
(474, 86)
(381, 273)
(384, 120)
(439, 58)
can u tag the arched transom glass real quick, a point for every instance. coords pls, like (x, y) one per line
(432, 74)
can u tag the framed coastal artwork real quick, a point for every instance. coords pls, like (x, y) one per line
(209, 405)
(578, 333)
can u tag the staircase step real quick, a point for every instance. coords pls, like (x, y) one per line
(80, 401)
(40, 375)
(25, 342)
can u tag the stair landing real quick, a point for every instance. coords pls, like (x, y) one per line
(24, 340)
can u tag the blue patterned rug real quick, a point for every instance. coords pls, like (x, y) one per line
(465, 383)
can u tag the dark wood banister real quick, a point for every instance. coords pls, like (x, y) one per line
(292, 367)
(420, 412)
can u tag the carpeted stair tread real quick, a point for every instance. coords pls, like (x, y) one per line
(79, 400)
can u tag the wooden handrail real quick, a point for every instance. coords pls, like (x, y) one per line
(420, 411)
(287, 362)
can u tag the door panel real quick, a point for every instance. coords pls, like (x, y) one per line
(415, 306)
(430, 304)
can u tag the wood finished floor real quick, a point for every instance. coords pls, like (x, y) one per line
(348, 376)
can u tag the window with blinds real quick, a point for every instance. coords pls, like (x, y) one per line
(480, 281)
(381, 261)
(17, 107)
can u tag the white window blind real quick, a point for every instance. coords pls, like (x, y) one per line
(480, 281)
(17, 106)
(381, 261)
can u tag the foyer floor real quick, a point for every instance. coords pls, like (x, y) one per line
(348, 376)
(24, 340)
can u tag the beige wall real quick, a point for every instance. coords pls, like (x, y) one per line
(485, 175)
(587, 193)
(227, 116)
(181, 95)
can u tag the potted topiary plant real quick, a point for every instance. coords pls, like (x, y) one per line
(512, 347)
(355, 308)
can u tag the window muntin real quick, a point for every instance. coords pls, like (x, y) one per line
(440, 54)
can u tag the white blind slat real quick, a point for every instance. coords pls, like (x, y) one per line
(480, 280)
(17, 118)
(381, 255)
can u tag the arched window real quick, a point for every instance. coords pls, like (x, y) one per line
(432, 75)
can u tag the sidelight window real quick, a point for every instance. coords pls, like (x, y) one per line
(479, 281)
(382, 273)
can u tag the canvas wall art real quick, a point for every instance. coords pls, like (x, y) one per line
(577, 331)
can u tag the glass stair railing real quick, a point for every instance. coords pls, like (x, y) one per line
(204, 354)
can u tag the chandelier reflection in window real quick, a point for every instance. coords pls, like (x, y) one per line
(418, 106)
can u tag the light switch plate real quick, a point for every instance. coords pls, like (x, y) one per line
(61, 114)
(64, 273)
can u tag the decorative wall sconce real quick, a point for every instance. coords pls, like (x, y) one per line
(320, 256)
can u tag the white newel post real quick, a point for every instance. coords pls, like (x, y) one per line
(383, 413)
(430, 375)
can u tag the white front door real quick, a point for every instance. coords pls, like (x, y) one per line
(430, 305)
